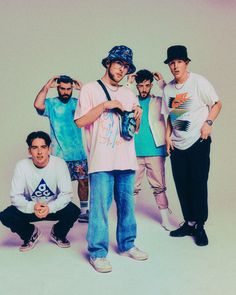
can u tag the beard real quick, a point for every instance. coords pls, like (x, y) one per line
(112, 77)
(64, 98)
(144, 95)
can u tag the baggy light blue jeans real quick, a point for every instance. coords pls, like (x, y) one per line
(103, 186)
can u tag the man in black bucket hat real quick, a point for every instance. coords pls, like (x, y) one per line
(111, 158)
(177, 52)
(192, 105)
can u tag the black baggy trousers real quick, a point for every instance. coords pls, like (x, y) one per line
(20, 222)
(190, 170)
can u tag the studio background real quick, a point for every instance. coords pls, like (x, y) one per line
(40, 39)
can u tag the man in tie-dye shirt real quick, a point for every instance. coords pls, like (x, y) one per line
(66, 136)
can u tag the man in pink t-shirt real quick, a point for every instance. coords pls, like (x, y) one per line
(111, 158)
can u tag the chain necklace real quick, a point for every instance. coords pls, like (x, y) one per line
(181, 85)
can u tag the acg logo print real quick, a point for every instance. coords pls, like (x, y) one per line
(42, 192)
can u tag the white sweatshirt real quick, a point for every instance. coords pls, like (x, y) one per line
(50, 185)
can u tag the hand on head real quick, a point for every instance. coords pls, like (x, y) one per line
(52, 83)
(157, 76)
(77, 84)
(131, 78)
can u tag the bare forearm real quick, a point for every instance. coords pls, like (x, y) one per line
(168, 128)
(91, 116)
(215, 110)
(39, 102)
(169, 143)
(96, 112)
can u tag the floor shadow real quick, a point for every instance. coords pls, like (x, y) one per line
(10, 241)
(150, 210)
(147, 209)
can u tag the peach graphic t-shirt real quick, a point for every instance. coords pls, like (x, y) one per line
(106, 149)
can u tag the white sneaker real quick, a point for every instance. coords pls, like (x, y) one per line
(166, 219)
(135, 253)
(101, 264)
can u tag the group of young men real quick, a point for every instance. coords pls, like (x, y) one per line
(41, 185)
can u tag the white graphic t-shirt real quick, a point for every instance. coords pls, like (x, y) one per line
(106, 149)
(188, 108)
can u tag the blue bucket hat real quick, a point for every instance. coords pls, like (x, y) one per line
(123, 53)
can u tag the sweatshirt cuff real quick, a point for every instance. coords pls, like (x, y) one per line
(52, 207)
(30, 207)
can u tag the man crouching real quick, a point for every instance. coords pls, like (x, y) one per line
(41, 190)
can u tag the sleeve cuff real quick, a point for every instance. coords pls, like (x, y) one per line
(52, 207)
(30, 207)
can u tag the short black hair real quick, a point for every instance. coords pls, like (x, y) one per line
(65, 79)
(38, 134)
(143, 75)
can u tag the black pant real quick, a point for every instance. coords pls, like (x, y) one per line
(19, 222)
(190, 170)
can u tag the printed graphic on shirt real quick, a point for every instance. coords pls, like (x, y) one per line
(42, 192)
(109, 133)
(179, 105)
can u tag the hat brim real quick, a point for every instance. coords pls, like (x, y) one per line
(106, 60)
(168, 60)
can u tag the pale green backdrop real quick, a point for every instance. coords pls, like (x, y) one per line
(42, 38)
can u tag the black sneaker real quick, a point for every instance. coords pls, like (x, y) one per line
(62, 243)
(184, 230)
(84, 217)
(29, 244)
(200, 236)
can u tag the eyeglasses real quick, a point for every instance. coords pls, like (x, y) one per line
(121, 64)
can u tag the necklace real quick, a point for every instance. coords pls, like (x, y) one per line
(181, 85)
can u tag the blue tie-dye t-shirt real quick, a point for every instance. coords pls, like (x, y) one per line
(66, 136)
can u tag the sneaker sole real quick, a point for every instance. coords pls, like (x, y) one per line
(167, 228)
(133, 257)
(35, 242)
(201, 245)
(59, 245)
(181, 236)
(82, 220)
(102, 270)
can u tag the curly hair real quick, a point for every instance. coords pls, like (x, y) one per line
(143, 75)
